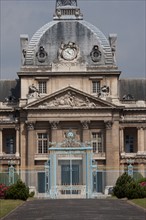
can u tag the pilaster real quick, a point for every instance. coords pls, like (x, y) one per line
(17, 141)
(85, 130)
(1, 141)
(112, 152)
(31, 146)
(54, 127)
(121, 140)
(140, 140)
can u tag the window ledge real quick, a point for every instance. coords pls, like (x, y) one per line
(41, 157)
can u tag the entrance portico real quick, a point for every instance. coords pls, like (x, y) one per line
(69, 169)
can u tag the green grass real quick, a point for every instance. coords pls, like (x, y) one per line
(139, 202)
(7, 206)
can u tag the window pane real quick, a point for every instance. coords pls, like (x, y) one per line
(96, 86)
(42, 143)
(42, 87)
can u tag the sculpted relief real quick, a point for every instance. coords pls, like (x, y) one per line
(69, 100)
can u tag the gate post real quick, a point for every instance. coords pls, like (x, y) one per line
(47, 177)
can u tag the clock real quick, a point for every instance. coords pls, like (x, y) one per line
(69, 53)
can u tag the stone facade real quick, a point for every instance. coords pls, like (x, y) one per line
(69, 80)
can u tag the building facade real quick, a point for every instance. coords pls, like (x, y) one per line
(70, 125)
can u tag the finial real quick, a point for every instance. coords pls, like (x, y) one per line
(67, 10)
(66, 2)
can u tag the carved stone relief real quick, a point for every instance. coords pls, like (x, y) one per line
(95, 54)
(69, 100)
(85, 124)
(54, 124)
(41, 54)
(108, 124)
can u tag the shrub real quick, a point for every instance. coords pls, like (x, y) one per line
(18, 191)
(3, 190)
(120, 188)
(134, 190)
(127, 187)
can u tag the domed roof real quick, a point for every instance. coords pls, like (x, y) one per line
(86, 43)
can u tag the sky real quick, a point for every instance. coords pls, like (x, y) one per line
(126, 18)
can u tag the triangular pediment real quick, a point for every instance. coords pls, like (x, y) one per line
(69, 98)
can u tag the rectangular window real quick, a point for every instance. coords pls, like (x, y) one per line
(42, 87)
(97, 142)
(10, 144)
(129, 143)
(42, 143)
(95, 86)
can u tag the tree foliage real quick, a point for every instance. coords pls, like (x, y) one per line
(127, 187)
(18, 191)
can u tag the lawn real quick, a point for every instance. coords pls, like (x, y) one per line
(139, 202)
(7, 206)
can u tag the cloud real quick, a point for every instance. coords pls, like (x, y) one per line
(126, 18)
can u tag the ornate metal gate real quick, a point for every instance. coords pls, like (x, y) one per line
(70, 170)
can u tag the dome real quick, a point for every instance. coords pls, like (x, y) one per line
(86, 43)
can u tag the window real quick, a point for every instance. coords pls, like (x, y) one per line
(10, 144)
(42, 87)
(97, 142)
(42, 143)
(95, 86)
(129, 144)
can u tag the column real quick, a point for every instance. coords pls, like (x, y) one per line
(145, 140)
(23, 146)
(1, 141)
(17, 141)
(54, 126)
(140, 140)
(30, 151)
(112, 152)
(86, 135)
(122, 150)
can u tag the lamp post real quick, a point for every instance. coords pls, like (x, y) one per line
(11, 164)
(130, 167)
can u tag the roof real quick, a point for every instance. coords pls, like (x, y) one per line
(132, 87)
(9, 89)
(79, 31)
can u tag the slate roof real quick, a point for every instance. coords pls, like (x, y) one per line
(133, 87)
(9, 88)
(38, 36)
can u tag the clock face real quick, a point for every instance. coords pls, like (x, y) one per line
(69, 53)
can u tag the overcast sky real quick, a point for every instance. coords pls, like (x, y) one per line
(127, 18)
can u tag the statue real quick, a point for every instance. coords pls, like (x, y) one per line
(33, 91)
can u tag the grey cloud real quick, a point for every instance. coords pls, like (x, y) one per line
(126, 18)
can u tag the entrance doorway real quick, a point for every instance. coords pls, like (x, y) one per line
(70, 174)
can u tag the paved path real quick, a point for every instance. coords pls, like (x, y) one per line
(77, 209)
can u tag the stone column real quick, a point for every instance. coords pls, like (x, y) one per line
(31, 147)
(112, 152)
(122, 150)
(23, 152)
(145, 140)
(54, 126)
(140, 140)
(86, 134)
(1, 141)
(17, 141)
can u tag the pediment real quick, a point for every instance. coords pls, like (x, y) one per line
(69, 98)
